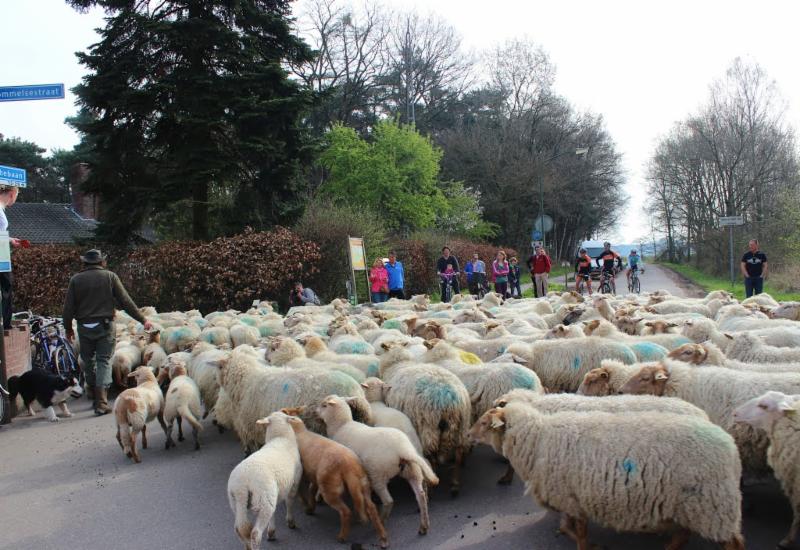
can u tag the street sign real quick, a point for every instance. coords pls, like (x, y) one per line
(32, 92)
(17, 177)
(543, 223)
(537, 235)
(534, 244)
(727, 221)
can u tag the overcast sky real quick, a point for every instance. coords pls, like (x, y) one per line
(643, 65)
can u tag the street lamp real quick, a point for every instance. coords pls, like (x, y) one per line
(580, 151)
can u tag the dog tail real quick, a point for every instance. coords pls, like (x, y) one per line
(186, 414)
(13, 388)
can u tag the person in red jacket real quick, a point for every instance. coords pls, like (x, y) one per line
(541, 271)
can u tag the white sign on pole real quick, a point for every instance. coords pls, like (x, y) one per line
(726, 221)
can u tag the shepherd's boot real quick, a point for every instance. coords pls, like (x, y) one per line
(101, 403)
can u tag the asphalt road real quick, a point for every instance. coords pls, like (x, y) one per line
(68, 485)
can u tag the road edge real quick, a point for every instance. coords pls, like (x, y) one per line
(689, 287)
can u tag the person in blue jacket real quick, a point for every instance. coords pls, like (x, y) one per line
(396, 276)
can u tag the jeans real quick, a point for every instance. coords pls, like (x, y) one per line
(516, 288)
(378, 297)
(397, 293)
(753, 285)
(533, 284)
(97, 347)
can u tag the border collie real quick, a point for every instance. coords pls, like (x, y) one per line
(48, 389)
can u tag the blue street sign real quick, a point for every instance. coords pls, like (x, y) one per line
(13, 176)
(537, 235)
(32, 92)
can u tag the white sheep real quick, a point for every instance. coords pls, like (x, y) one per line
(127, 356)
(626, 472)
(700, 330)
(708, 354)
(762, 299)
(437, 403)
(180, 338)
(395, 455)
(134, 408)
(262, 479)
(718, 391)
(285, 352)
(607, 379)
(182, 402)
(216, 336)
(384, 416)
(202, 367)
(752, 349)
(776, 413)
(786, 310)
(242, 334)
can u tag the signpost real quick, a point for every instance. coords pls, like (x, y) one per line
(32, 92)
(357, 255)
(730, 222)
(17, 177)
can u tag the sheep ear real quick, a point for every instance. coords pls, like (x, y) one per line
(498, 419)
(661, 376)
(672, 325)
(385, 345)
(363, 385)
(604, 374)
(330, 402)
(648, 324)
(387, 386)
(728, 336)
(519, 360)
(501, 403)
(263, 421)
(786, 407)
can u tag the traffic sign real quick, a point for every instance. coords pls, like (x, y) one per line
(727, 221)
(13, 176)
(537, 235)
(32, 92)
(543, 223)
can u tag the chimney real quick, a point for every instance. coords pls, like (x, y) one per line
(84, 204)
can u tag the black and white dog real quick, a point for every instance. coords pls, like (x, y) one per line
(48, 389)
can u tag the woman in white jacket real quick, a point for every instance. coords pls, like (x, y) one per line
(8, 196)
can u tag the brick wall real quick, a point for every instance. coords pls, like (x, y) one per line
(18, 350)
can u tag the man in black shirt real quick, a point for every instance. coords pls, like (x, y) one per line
(447, 264)
(754, 269)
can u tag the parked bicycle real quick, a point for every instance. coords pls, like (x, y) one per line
(50, 349)
(5, 402)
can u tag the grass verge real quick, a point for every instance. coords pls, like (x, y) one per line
(709, 282)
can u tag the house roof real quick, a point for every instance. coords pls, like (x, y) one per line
(42, 223)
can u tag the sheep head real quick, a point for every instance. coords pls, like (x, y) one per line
(596, 382)
(695, 354)
(490, 428)
(590, 326)
(650, 380)
(763, 411)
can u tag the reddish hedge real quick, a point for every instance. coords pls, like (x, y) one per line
(228, 272)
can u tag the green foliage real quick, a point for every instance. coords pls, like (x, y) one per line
(190, 101)
(395, 174)
(328, 225)
(464, 212)
(46, 176)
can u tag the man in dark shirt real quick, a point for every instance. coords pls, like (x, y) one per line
(609, 258)
(754, 269)
(92, 296)
(447, 264)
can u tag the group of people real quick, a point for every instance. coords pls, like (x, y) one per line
(609, 262)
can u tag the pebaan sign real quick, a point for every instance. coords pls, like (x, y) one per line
(17, 177)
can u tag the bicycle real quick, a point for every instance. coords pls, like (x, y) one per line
(479, 284)
(605, 282)
(50, 349)
(5, 402)
(634, 285)
(447, 278)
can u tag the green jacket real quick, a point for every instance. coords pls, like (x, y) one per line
(93, 295)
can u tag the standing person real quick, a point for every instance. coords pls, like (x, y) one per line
(583, 270)
(754, 269)
(92, 295)
(379, 282)
(513, 279)
(8, 196)
(541, 269)
(476, 273)
(500, 270)
(394, 269)
(300, 296)
(447, 264)
(530, 263)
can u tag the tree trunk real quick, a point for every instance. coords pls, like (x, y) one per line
(200, 211)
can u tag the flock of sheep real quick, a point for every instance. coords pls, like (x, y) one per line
(405, 388)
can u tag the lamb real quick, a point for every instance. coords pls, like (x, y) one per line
(437, 403)
(384, 416)
(775, 412)
(134, 408)
(631, 457)
(330, 467)
(262, 479)
(249, 391)
(561, 364)
(394, 456)
(717, 391)
(127, 356)
(751, 349)
(153, 354)
(182, 402)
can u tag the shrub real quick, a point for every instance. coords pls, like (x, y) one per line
(41, 275)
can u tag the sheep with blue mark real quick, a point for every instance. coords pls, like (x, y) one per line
(604, 329)
(180, 338)
(242, 333)
(249, 391)
(718, 391)
(216, 336)
(561, 364)
(316, 349)
(638, 469)
(437, 403)
(286, 352)
(385, 416)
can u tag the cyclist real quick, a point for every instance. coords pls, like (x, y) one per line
(608, 258)
(583, 270)
(634, 261)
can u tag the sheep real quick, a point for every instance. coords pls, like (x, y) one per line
(751, 349)
(628, 334)
(316, 349)
(681, 306)
(561, 364)
(762, 299)
(182, 402)
(437, 403)
(607, 379)
(659, 327)
(244, 334)
(216, 336)
(394, 456)
(249, 391)
(776, 413)
(717, 391)
(262, 479)
(561, 331)
(787, 310)
(631, 456)
(602, 305)
(709, 354)
(127, 356)
(153, 354)
(286, 352)
(134, 408)
(330, 467)
(180, 338)
(700, 330)
(202, 368)
(386, 417)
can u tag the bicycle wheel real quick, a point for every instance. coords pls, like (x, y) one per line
(5, 403)
(581, 287)
(65, 364)
(637, 286)
(605, 288)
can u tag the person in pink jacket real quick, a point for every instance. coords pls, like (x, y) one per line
(500, 270)
(379, 282)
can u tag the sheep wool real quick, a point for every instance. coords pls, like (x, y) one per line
(752, 349)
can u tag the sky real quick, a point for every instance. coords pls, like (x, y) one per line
(643, 65)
